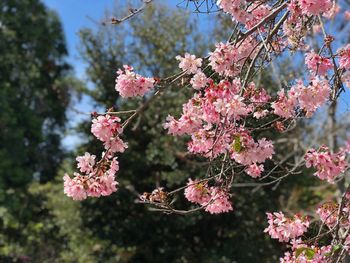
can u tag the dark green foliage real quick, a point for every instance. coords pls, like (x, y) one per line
(33, 99)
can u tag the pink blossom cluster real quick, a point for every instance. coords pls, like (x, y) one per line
(333, 11)
(315, 7)
(95, 180)
(189, 63)
(328, 165)
(317, 64)
(130, 84)
(308, 98)
(312, 97)
(292, 229)
(251, 151)
(248, 15)
(214, 199)
(199, 80)
(212, 118)
(302, 253)
(107, 129)
(294, 27)
(197, 192)
(284, 228)
(228, 59)
(254, 170)
(328, 213)
(285, 105)
(344, 57)
(98, 178)
(235, 8)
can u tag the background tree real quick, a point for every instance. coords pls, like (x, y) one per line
(34, 95)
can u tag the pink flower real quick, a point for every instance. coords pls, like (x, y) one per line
(344, 57)
(115, 144)
(258, 96)
(223, 58)
(105, 127)
(199, 80)
(74, 187)
(197, 192)
(189, 63)
(284, 106)
(260, 114)
(300, 255)
(108, 185)
(315, 7)
(219, 202)
(258, 13)
(234, 8)
(189, 121)
(331, 13)
(317, 64)
(328, 214)
(251, 152)
(227, 60)
(213, 199)
(254, 170)
(205, 143)
(86, 162)
(232, 108)
(328, 165)
(283, 228)
(130, 84)
(312, 97)
(114, 167)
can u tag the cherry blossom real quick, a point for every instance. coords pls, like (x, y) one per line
(328, 165)
(317, 64)
(307, 254)
(254, 170)
(197, 192)
(199, 80)
(312, 97)
(86, 162)
(227, 60)
(284, 228)
(328, 213)
(234, 8)
(219, 202)
(189, 63)
(106, 126)
(284, 106)
(344, 57)
(315, 7)
(130, 84)
(74, 187)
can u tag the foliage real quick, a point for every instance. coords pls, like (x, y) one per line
(34, 95)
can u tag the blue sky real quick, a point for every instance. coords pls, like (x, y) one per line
(76, 14)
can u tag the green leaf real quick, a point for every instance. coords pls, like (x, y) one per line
(237, 146)
(309, 253)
